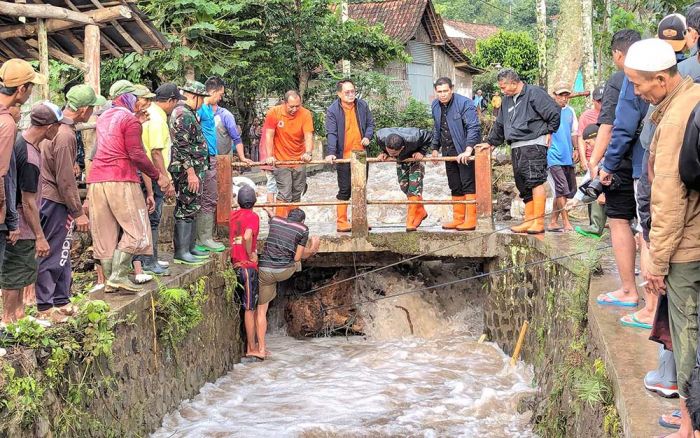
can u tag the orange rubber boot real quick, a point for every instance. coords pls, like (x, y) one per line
(469, 223)
(411, 215)
(342, 224)
(281, 212)
(458, 211)
(537, 226)
(421, 214)
(529, 214)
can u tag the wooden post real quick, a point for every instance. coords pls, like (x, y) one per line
(43, 41)
(92, 78)
(358, 197)
(224, 188)
(483, 184)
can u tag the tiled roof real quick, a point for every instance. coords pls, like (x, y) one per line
(401, 18)
(474, 30)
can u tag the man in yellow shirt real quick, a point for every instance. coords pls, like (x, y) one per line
(157, 142)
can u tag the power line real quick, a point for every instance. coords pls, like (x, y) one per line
(461, 242)
(460, 280)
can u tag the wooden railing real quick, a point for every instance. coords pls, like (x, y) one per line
(358, 198)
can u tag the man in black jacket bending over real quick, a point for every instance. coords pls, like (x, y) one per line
(527, 119)
(402, 144)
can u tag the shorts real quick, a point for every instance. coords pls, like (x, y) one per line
(529, 168)
(271, 183)
(248, 279)
(19, 266)
(620, 202)
(268, 279)
(564, 178)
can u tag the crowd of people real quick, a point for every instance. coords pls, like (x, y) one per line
(638, 144)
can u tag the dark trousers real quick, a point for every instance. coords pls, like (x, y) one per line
(460, 177)
(54, 279)
(345, 180)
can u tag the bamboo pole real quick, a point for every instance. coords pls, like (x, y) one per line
(519, 344)
(43, 46)
(387, 202)
(342, 161)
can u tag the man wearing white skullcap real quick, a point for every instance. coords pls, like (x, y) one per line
(674, 265)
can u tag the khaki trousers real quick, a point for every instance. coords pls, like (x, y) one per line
(116, 206)
(268, 279)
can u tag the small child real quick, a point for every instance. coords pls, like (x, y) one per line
(244, 226)
(596, 210)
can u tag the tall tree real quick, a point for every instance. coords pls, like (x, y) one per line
(587, 40)
(542, 40)
(568, 53)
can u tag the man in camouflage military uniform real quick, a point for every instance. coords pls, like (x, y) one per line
(402, 144)
(190, 161)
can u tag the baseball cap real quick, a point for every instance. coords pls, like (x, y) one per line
(562, 87)
(650, 55)
(16, 72)
(83, 95)
(168, 91)
(246, 197)
(120, 87)
(598, 92)
(590, 132)
(46, 113)
(143, 91)
(672, 29)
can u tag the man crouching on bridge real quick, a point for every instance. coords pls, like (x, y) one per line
(401, 144)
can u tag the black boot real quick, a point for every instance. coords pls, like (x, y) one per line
(202, 255)
(181, 241)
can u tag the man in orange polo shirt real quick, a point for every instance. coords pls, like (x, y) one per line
(349, 127)
(292, 139)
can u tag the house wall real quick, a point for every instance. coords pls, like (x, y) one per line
(463, 83)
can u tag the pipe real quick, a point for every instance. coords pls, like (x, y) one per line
(519, 344)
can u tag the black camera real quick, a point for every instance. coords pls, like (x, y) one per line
(593, 188)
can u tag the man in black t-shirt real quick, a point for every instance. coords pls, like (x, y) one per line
(287, 244)
(19, 268)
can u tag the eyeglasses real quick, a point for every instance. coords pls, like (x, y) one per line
(350, 92)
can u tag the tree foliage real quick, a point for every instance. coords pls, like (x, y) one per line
(516, 50)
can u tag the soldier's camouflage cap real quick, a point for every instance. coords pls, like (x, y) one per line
(195, 87)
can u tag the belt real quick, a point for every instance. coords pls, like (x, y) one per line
(541, 140)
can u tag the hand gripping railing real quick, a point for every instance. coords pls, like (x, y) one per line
(358, 198)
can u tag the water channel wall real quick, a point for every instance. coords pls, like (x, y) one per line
(574, 395)
(146, 377)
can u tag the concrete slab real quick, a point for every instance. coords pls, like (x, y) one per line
(628, 355)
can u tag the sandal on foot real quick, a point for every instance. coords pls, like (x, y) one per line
(668, 425)
(612, 301)
(631, 320)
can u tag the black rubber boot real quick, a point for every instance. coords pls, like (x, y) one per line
(181, 241)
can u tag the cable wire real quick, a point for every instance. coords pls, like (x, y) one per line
(460, 280)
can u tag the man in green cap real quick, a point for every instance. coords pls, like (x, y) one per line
(190, 161)
(114, 191)
(61, 207)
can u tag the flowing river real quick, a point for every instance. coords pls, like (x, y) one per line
(438, 381)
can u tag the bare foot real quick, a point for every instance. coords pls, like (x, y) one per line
(644, 316)
(671, 419)
(568, 228)
(254, 353)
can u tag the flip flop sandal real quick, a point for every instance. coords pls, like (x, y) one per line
(556, 230)
(667, 425)
(612, 301)
(631, 320)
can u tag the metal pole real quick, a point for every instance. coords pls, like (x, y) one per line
(342, 161)
(421, 202)
(302, 204)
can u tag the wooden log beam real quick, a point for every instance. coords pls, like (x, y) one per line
(484, 197)
(43, 46)
(358, 194)
(110, 46)
(224, 188)
(92, 78)
(45, 12)
(61, 56)
(53, 25)
(129, 39)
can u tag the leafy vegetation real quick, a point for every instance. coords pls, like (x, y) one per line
(179, 310)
